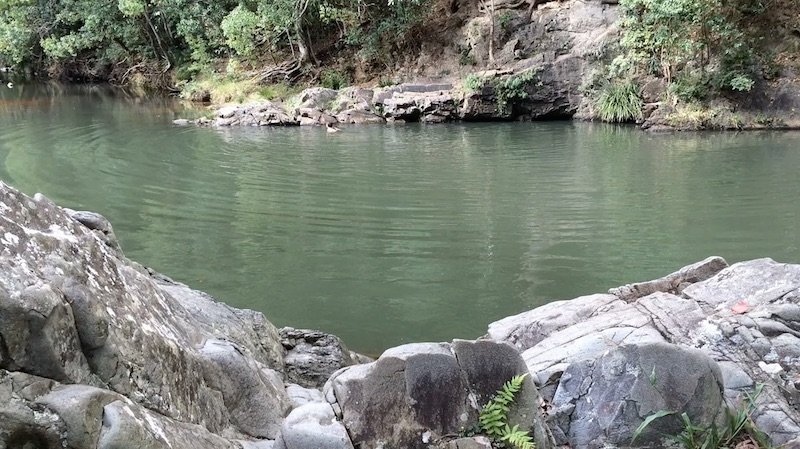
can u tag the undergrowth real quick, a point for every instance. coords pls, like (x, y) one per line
(735, 430)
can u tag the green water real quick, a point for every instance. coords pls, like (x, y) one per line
(391, 234)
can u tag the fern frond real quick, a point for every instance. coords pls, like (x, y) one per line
(518, 438)
(493, 418)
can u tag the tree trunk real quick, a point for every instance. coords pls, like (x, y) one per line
(491, 34)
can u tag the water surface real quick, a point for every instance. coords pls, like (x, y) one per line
(391, 234)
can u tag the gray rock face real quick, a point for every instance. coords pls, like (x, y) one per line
(672, 283)
(97, 223)
(746, 317)
(317, 98)
(415, 394)
(261, 113)
(313, 425)
(468, 443)
(253, 394)
(602, 401)
(99, 352)
(40, 413)
(74, 310)
(427, 106)
(312, 356)
(359, 117)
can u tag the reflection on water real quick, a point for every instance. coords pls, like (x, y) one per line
(391, 234)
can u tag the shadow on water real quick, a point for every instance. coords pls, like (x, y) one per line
(389, 234)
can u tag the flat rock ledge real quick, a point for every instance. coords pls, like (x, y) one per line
(98, 352)
(426, 103)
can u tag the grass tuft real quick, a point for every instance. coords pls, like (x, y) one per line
(620, 102)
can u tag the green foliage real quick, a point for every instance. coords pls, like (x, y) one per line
(736, 427)
(493, 418)
(647, 421)
(668, 37)
(392, 30)
(278, 91)
(333, 79)
(473, 83)
(120, 33)
(131, 8)
(386, 81)
(518, 438)
(504, 20)
(241, 28)
(102, 36)
(742, 83)
(513, 88)
(619, 102)
(465, 56)
(689, 87)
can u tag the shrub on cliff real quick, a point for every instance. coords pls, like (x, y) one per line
(709, 41)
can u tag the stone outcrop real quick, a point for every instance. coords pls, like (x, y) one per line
(312, 356)
(415, 394)
(263, 113)
(739, 322)
(74, 310)
(97, 351)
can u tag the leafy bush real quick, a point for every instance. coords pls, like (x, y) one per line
(689, 87)
(504, 20)
(465, 56)
(241, 28)
(513, 87)
(695, 44)
(473, 83)
(83, 35)
(620, 102)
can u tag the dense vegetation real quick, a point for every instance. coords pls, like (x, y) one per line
(118, 40)
(701, 49)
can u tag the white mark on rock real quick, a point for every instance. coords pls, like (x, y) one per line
(426, 436)
(770, 368)
(9, 239)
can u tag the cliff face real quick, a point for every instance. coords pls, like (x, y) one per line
(551, 61)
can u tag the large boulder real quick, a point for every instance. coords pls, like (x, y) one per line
(422, 103)
(312, 356)
(41, 413)
(600, 402)
(745, 317)
(260, 113)
(414, 395)
(313, 425)
(74, 310)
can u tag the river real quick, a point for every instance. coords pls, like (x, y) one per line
(391, 234)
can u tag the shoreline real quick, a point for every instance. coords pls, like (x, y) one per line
(436, 103)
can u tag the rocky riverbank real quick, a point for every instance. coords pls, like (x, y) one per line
(446, 102)
(97, 351)
(547, 61)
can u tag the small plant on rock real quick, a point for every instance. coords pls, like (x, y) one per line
(494, 416)
(736, 430)
(513, 88)
(473, 83)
